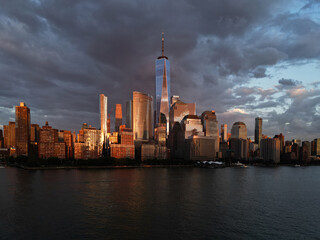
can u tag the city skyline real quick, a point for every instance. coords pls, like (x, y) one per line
(237, 62)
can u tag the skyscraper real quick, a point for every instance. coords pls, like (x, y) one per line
(162, 87)
(239, 130)
(118, 114)
(224, 132)
(211, 127)
(129, 114)
(22, 129)
(103, 117)
(9, 135)
(142, 116)
(258, 131)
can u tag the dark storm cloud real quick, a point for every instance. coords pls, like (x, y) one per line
(289, 82)
(57, 56)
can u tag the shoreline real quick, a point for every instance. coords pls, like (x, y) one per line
(100, 167)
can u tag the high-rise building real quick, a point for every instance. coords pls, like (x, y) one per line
(49, 145)
(281, 138)
(89, 145)
(142, 116)
(315, 147)
(270, 149)
(239, 147)
(22, 130)
(118, 115)
(211, 127)
(192, 126)
(104, 117)
(174, 99)
(297, 141)
(9, 132)
(125, 147)
(162, 87)
(224, 132)
(1, 138)
(239, 130)
(68, 140)
(34, 133)
(258, 130)
(179, 110)
(129, 114)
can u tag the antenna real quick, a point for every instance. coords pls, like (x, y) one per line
(162, 43)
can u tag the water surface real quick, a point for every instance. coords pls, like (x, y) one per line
(176, 203)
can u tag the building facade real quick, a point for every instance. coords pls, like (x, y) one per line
(270, 149)
(239, 130)
(162, 86)
(104, 118)
(142, 113)
(118, 116)
(258, 130)
(22, 129)
(9, 133)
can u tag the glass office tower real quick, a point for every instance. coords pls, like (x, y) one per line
(162, 86)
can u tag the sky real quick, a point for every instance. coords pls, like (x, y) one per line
(241, 58)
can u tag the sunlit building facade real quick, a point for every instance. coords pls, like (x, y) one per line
(211, 127)
(162, 86)
(179, 110)
(22, 129)
(224, 132)
(142, 112)
(104, 117)
(239, 130)
(9, 133)
(118, 116)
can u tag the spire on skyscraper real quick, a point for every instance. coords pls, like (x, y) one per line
(162, 50)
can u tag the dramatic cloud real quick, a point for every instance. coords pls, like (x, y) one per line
(58, 56)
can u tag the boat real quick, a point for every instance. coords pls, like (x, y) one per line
(240, 165)
(297, 165)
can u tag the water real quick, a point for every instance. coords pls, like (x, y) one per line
(185, 203)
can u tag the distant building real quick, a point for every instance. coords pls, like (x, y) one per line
(176, 141)
(142, 116)
(49, 145)
(281, 138)
(162, 87)
(104, 118)
(1, 138)
(179, 110)
(297, 141)
(191, 125)
(151, 150)
(34, 133)
(305, 151)
(315, 147)
(200, 148)
(270, 149)
(129, 114)
(9, 132)
(125, 147)
(22, 129)
(118, 116)
(224, 132)
(287, 146)
(239, 147)
(258, 130)
(211, 128)
(174, 99)
(67, 138)
(91, 145)
(239, 130)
